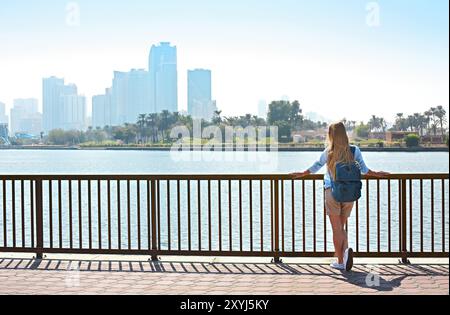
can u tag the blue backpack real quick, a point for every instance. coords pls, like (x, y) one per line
(347, 185)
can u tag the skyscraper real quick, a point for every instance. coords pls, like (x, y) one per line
(74, 112)
(130, 96)
(25, 117)
(102, 110)
(53, 94)
(163, 78)
(3, 117)
(200, 103)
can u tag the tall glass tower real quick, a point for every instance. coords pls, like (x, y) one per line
(163, 78)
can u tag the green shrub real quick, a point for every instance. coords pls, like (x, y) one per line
(412, 141)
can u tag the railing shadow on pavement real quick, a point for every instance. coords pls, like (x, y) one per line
(359, 273)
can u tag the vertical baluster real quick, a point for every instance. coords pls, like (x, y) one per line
(50, 210)
(169, 236)
(119, 216)
(150, 211)
(109, 214)
(129, 213)
(378, 216)
(240, 216)
(293, 215)
(5, 217)
(199, 207)
(272, 201)
(251, 213)
(304, 215)
(432, 216)
(261, 209)
(32, 200)
(230, 214)
(22, 206)
(70, 215)
(368, 215)
(443, 215)
(282, 215)
(80, 216)
(325, 224)
(421, 216)
(411, 215)
(389, 217)
(90, 213)
(220, 213)
(138, 202)
(189, 215)
(158, 201)
(357, 226)
(179, 214)
(209, 216)
(314, 217)
(99, 208)
(60, 215)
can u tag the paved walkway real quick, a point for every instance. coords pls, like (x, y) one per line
(59, 276)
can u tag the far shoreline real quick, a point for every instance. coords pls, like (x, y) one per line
(196, 149)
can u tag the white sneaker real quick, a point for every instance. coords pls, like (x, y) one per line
(337, 266)
(348, 259)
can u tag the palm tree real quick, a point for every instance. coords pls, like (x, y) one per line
(141, 125)
(217, 119)
(440, 114)
(151, 121)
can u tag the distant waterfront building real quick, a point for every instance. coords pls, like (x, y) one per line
(74, 112)
(4, 134)
(53, 92)
(25, 117)
(163, 78)
(4, 119)
(102, 110)
(130, 96)
(262, 109)
(200, 103)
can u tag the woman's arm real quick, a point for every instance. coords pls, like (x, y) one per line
(364, 169)
(315, 168)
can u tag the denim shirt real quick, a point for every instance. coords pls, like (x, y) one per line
(324, 159)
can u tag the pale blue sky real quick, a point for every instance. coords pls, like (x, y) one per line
(321, 52)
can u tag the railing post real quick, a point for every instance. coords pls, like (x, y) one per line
(403, 223)
(39, 220)
(277, 221)
(154, 246)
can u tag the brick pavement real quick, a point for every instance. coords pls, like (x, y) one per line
(59, 276)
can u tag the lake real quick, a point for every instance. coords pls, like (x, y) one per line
(32, 162)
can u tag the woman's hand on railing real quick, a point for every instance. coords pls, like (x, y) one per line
(378, 174)
(300, 174)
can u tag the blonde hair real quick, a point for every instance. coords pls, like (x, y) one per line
(338, 147)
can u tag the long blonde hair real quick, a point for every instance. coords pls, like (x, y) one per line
(338, 147)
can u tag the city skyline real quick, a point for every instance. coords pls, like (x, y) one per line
(257, 50)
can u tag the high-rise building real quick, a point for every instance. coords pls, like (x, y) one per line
(4, 119)
(25, 117)
(262, 109)
(200, 103)
(74, 112)
(163, 78)
(130, 96)
(138, 95)
(102, 110)
(53, 94)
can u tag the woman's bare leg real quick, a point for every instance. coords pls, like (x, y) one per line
(344, 232)
(339, 238)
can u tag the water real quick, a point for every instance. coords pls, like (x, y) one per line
(146, 162)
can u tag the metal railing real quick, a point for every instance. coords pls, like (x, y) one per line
(218, 215)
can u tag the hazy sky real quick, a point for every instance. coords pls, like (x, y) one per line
(322, 52)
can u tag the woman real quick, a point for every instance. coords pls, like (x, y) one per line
(339, 151)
